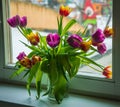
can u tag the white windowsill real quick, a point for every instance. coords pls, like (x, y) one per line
(17, 96)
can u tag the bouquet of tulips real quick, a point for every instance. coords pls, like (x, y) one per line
(59, 54)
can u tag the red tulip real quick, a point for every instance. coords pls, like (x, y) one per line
(107, 72)
(64, 10)
(108, 31)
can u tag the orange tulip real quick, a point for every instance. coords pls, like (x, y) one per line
(85, 46)
(108, 31)
(64, 10)
(35, 59)
(33, 38)
(107, 72)
(26, 62)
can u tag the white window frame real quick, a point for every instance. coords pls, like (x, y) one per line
(80, 84)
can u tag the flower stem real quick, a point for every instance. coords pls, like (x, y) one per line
(53, 52)
(21, 31)
(94, 68)
(60, 32)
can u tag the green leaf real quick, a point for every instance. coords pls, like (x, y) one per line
(26, 73)
(28, 30)
(46, 93)
(44, 66)
(90, 53)
(31, 54)
(61, 69)
(19, 71)
(75, 63)
(33, 71)
(63, 64)
(31, 47)
(90, 61)
(43, 42)
(53, 71)
(38, 82)
(32, 74)
(69, 25)
(28, 89)
(94, 49)
(60, 25)
(60, 88)
(67, 65)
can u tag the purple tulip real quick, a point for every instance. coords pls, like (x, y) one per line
(98, 37)
(53, 39)
(23, 21)
(21, 56)
(74, 40)
(14, 21)
(101, 48)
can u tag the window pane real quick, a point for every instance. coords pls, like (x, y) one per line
(41, 15)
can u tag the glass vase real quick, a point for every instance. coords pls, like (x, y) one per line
(51, 95)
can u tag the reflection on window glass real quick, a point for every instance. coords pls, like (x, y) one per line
(41, 15)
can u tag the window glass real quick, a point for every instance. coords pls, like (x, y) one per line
(41, 15)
